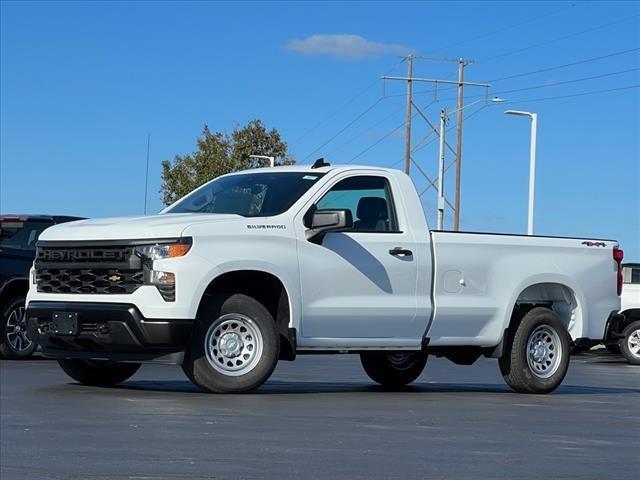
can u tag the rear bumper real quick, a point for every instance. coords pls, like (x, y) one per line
(113, 331)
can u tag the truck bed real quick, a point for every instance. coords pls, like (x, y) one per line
(476, 272)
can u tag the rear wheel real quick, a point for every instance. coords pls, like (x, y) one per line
(99, 373)
(536, 358)
(235, 345)
(395, 369)
(630, 344)
(15, 342)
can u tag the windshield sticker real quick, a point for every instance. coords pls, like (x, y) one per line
(310, 177)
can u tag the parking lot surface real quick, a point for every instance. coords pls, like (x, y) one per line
(321, 417)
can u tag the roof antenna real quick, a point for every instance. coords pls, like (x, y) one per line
(320, 163)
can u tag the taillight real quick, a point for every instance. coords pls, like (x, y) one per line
(618, 255)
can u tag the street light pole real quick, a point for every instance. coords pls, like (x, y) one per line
(532, 162)
(443, 120)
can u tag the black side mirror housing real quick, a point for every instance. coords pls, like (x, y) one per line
(324, 221)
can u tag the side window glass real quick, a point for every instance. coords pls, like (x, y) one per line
(368, 198)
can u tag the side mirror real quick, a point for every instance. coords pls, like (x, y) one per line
(324, 221)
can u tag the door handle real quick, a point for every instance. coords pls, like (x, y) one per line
(400, 252)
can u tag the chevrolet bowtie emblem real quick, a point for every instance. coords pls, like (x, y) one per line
(115, 278)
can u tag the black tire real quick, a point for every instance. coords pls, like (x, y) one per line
(526, 373)
(14, 340)
(631, 336)
(237, 369)
(98, 373)
(394, 369)
(614, 348)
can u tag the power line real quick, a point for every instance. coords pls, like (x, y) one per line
(388, 134)
(558, 39)
(358, 117)
(579, 62)
(554, 84)
(557, 97)
(346, 104)
(371, 128)
(503, 29)
(595, 92)
(350, 101)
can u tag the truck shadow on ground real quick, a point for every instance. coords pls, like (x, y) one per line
(276, 387)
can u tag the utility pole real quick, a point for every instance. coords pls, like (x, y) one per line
(410, 104)
(443, 121)
(456, 203)
(407, 132)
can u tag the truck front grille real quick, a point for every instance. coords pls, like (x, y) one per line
(88, 280)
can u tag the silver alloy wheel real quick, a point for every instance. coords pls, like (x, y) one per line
(17, 330)
(544, 351)
(233, 344)
(633, 342)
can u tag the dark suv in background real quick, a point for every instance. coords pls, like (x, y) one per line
(18, 236)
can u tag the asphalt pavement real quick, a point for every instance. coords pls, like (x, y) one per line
(321, 418)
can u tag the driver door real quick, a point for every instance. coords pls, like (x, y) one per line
(361, 283)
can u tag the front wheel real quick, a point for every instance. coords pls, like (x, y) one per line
(99, 373)
(630, 344)
(15, 342)
(536, 357)
(393, 370)
(235, 345)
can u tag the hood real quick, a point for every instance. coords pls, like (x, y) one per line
(170, 225)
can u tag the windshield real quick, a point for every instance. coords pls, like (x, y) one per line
(249, 194)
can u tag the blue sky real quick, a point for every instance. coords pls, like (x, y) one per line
(82, 84)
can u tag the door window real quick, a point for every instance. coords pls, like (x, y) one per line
(368, 198)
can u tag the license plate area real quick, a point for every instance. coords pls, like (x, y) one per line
(65, 323)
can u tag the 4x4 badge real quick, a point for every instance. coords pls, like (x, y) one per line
(594, 244)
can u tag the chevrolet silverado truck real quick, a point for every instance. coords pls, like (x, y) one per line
(263, 265)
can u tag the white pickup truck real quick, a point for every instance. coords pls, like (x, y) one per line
(267, 264)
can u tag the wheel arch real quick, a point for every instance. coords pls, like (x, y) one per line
(268, 289)
(559, 296)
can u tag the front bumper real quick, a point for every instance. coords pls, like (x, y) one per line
(108, 331)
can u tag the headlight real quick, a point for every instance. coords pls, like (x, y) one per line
(160, 251)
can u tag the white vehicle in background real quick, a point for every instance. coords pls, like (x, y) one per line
(629, 344)
(263, 265)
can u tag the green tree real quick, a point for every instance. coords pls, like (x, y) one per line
(218, 154)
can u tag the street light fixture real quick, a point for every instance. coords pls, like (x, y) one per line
(272, 160)
(532, 162)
